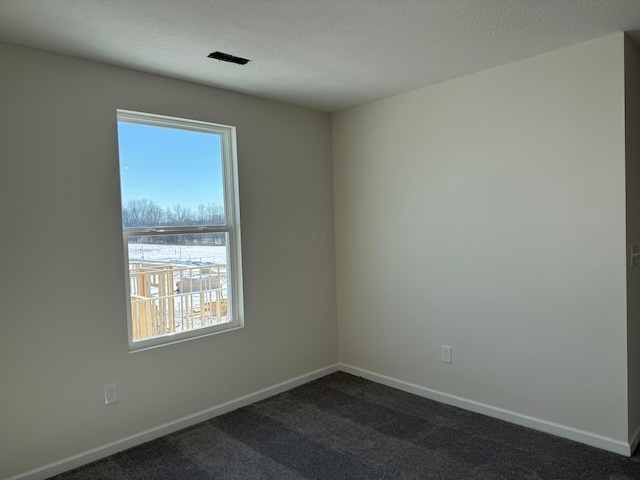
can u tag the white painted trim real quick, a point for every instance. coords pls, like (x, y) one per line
(229, 157)
(103, 451)
(564, 431)
(634, 440)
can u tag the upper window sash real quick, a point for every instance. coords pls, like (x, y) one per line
(228, 150)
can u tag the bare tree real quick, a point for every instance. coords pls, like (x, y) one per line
(146, 213)
(210, 214)
(181, 216)
(142, 213)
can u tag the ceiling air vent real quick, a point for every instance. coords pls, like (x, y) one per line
(225, 57)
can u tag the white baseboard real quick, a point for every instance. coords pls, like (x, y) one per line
(94, 454)
(588, 438)
(634, 440)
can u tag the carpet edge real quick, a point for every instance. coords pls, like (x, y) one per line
(98, 453)
(588, 438)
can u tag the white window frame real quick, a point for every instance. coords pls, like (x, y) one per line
(231, 228)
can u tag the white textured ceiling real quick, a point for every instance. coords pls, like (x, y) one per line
(324, 54)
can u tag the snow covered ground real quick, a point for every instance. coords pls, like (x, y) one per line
(195, 255)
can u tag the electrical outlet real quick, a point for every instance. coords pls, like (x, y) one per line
(445, 354)
(110, 393)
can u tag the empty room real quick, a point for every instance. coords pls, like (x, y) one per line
(320, 239)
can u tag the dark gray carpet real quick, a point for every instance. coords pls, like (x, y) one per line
(345, 427)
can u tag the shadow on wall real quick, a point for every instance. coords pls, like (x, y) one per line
(634, 35)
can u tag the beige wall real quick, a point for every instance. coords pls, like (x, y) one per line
(488, 213)
(632, 119)
(62, 315)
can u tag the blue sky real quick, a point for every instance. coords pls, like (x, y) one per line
(170, 166)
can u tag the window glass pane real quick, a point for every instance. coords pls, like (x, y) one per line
(178, 283)
(170, 176)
